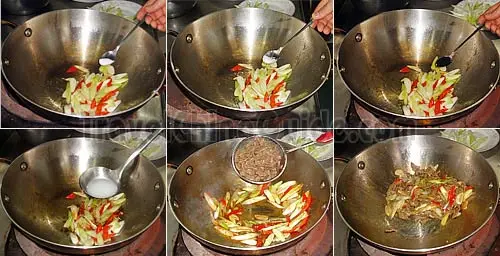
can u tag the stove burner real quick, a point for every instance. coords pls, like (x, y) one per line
(477, 245)
(319, 242)
(152, 243)
(485, 115)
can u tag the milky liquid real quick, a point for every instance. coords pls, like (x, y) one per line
(105, 61)
(102, 188)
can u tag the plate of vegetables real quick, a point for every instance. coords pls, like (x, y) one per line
(283, 6)
(320, 153)
(156, 150)
(124, 9)
(480, 140)
(471, 10)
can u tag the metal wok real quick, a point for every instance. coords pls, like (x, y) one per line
(35, 185)
(209, 170)
(374, 51)
(36, 55)
(204, 52)
(361, 189)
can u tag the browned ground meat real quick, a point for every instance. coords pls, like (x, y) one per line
(258, 159)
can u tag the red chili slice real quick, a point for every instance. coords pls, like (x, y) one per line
(71, 196)
(72, 69)
(237, 68)
(406, 69)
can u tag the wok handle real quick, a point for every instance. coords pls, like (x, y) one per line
(172, 32)
(9, 23)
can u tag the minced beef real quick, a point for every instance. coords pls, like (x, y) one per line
(258, 160)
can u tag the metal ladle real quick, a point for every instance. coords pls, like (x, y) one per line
(109, 57)
(446, 60)
(324, 138)
(272, 56)
(102, 182)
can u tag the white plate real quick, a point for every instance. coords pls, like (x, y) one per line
(463, 3)
(129, 9)
(310, 134)
(87, 1)
(261, 131)
(492, 138)
(142, 135)
(284, 6)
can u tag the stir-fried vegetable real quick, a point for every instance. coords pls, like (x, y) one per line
(240, 215)
(470, 11)
(94, 221)
(93, 94)
(261, 88)
(428, 94)
(421, 194)
(465, 137)
(314, 150)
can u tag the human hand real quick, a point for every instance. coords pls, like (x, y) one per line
(323, 17)
(156, 11)
(491, 19)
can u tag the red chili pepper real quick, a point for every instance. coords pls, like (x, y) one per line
(89, 84)
(263, 188)
(82, 208)
(72, 69)
(248, 80)
(86, 113)
(413, 194)
(101, 210)
(288, 219)
(278, 87)
(260, 241)
(414, 84)
(71, 196)
(223, 201)
(273, 100)
(424, 83)
(437, 108)
(266, 97)
(268, 78)
(93, 104)
(436, 203)
(99, 86)
(468, 187)
(288, 190)
(105, 233)
(78, 86)
(267, 232)
(397, 181)
(103, 101)
(406, 69)
(431, 103)
(435, 84)
(237, 68)
(99, 229)
(426, 113)
(110, 82)
(445, 92)
(257, 80)
(264, 225)
(308, 201)
(235, 211)
(444, 81)
(452, 195)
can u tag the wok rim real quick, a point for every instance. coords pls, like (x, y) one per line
(257, 250)
(80, 117)
(444, 117)
(226, 107)
(117, 244)
(420, 250)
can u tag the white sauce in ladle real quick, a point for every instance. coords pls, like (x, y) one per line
(102, 188)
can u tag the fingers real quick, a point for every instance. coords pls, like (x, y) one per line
(324, 10)
(154, 13)
(154, 5)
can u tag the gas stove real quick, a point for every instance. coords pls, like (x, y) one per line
(182, 112)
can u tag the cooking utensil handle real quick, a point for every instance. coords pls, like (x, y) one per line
(138, 150)
(8, 23)
(302, 29)
(130, 32)
(467, 39)
(172, 33)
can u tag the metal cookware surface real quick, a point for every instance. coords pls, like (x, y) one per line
(373, 52)
(35, 185)
(360, 193)
(203, 54)
(36, 55)
(209, 170)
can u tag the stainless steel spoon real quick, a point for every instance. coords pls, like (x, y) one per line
(109, 57)
(446, 60)
(102, 182)
(324, 138)
(272, 56)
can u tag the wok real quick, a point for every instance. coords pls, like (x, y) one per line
(362, 186)
(392, 40)
(35, 185)
(209, 170)
(36, 55)
(204, 52)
